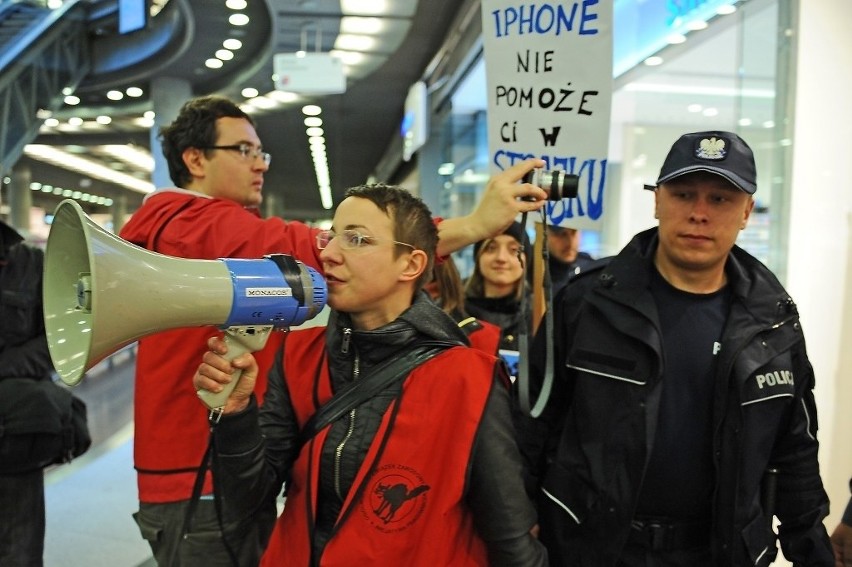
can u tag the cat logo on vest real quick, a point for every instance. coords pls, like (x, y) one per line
(395, 498)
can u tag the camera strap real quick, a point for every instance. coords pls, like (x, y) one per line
(534, 410)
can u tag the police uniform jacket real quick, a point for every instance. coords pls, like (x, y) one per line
(588, 450)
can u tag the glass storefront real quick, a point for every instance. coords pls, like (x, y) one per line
(671, 78)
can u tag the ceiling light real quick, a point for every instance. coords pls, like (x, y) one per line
(263, 102)
(115, 95)
(675, 39)
(695, 108)
(134, 92)
(348, 57)
(133, 155)
(72, 100)
(696, 25)
(744, 122)
(236, 4)
(653, 61)
(369, 7)
(232, 44)
(311, 110)
(726, 9)
(238, 19)
(325, 196)
(67, 91)
(711, 112)
(75, 121)
(103, 119)
(144, 121)
(313, 121)
(249, 92)
(769, 124)
(214, 63)
(314, 131)
(283, 96)
(354, 42)
(360, 25)
(224, 54)
(35, 186)
(88, 167)
(148, 115)
(51, 122)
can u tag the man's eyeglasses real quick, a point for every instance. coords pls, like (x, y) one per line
(247, 151)
(350, 240)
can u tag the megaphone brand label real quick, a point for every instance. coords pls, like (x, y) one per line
(269, 292)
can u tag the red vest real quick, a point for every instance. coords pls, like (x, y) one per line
(406, 505)
(486, 337)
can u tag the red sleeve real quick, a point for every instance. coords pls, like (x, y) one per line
(222, 229)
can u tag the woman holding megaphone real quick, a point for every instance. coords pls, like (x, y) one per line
(394, 438)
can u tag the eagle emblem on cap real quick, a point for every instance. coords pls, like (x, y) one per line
(711, 148)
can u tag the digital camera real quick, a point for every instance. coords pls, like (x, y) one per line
(558, 184)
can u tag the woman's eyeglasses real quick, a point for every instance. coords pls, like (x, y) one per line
(350, 240)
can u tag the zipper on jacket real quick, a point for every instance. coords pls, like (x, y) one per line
(347, 336)
(338, 451)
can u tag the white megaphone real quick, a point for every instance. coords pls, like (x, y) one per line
(102, 293)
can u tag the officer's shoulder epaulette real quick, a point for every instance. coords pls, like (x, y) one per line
(469, 325)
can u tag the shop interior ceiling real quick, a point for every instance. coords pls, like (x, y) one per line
(361, 123)
(358, 124)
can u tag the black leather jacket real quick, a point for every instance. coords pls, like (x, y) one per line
(255, 455)
(589, 449)
(23, 344)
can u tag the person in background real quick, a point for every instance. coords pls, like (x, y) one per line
(841, 537)
(380, 484)
(23, 354)
(217, 162)
(566, 259)
(495, 290)
(682, 416)
(447, 290)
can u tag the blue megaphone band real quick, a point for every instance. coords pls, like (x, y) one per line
(264, 292)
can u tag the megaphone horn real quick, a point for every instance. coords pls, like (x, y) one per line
(102, 293)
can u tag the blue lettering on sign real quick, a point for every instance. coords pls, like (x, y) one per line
(547, 19)
(590, 195)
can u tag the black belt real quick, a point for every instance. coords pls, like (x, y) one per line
(665, 534)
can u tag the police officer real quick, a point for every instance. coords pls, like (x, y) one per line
(682, 416)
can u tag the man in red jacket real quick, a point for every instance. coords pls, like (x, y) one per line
(217, 161)
(420, 470)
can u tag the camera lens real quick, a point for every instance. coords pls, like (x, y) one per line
(558, 184)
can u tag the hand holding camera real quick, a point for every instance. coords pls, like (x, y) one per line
(558, 184)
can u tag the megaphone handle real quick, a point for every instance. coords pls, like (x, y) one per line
(239, 340)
